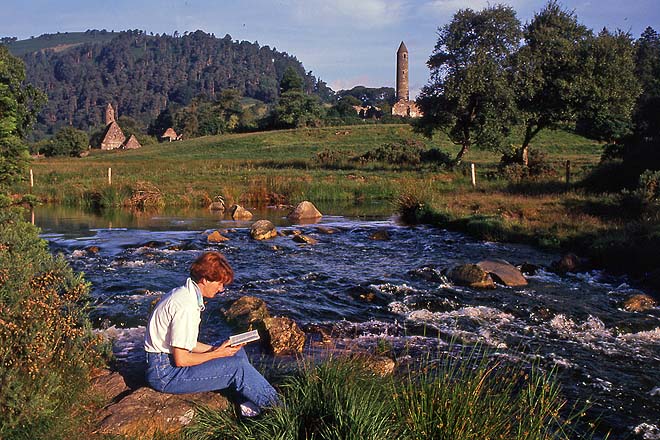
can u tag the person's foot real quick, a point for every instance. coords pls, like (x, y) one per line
(249, 409)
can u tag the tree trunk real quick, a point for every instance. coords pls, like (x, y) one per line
(459, 157)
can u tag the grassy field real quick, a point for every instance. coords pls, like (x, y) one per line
(249, 166)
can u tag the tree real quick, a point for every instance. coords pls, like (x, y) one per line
(296, 109)
(647, 61)
(469, 95)
(19, 104)
(291, 80)
(610, 87)
(549, 72)
(68, 141)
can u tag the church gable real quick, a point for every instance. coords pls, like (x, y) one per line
(113, 138)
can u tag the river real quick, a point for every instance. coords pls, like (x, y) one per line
(604, 355)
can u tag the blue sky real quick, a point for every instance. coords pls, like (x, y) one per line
(343, 42)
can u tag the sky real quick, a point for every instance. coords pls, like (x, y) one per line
(343, 42)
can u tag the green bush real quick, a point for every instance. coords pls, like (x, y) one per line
(407, 153)
(46, 344)
(537, 168)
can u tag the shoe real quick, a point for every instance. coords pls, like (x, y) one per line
(249, 409)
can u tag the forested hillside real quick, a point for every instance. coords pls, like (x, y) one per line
(141, 74)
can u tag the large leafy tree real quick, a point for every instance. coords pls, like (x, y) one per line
(296, 108)
(469, 96)
(549, 72)
(609, 87)
(18, 107)
(647, 61)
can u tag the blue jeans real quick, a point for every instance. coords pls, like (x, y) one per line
(234, 373)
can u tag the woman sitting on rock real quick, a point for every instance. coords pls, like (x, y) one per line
(178, 363)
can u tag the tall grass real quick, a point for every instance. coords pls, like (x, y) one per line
(465, 397)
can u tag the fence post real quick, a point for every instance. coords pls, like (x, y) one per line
(568, 172)
(473, 172)
(109, 176)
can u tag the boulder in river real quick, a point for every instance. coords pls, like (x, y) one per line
(305, 211)
(503, 272)
(218, 204)
(304, 239)
(326, 230)
(567, 263)
(380, 235)
(282, 336)
(239, 213)
(144, 412)
(639, 303)
(263, 230)
(471, 275)
(216, 237)
(245, 311)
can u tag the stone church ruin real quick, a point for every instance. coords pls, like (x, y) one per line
(114, 137)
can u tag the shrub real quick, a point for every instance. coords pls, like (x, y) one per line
(46, 344)
(407, 153)
(68, 141)
(537, 167)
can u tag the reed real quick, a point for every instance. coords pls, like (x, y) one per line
(466, 395)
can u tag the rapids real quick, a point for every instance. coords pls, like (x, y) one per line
(604, 355)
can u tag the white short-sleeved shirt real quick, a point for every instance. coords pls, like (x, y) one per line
(175, 320)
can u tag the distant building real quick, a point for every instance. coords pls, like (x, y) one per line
(132, 143)
(404, 106)
(170, 135)
(113, 136)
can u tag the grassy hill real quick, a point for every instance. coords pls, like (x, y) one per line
(59, 42)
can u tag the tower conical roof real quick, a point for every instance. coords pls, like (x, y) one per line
(402, 48)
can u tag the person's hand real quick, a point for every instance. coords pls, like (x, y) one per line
(226, 350)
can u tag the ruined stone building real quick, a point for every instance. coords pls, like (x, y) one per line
(132, 143)
(403, 106)
(114, 136)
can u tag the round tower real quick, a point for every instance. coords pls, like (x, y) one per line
(402, 93)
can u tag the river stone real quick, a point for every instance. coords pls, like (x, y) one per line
(263, 230)
(240, 213)
(304, 239)
(471, 275)
(144, 412)
(567, 263)
(282, 336)
(289, 232)
(380, 235)
(92, 249)
(326, 230)
(216, 237)
(504, 272)
(246, 311)
(639, 303)
(305, 211)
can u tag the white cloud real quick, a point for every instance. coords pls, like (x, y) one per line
(361, 14)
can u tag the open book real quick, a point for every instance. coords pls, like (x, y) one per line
(244, 338)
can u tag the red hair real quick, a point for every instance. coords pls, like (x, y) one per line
(211, 266)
